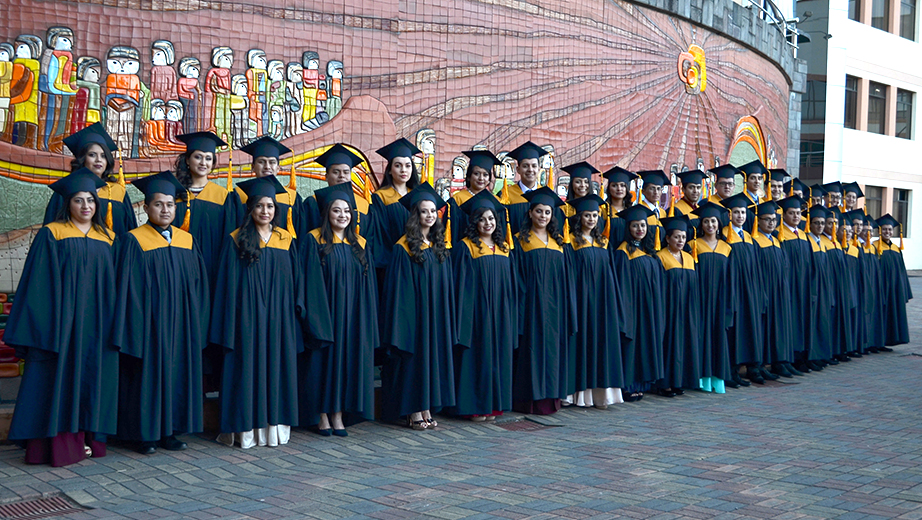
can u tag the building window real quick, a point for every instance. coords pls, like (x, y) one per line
(877, 108)
(873, 200)
(814, 102)
(908, 19)
(901, 209)
(811, 153)
(854, 10)
(904, 113)
(880, 14)
(851, 102)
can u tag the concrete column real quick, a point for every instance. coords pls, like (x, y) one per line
(864, 8)
(890, 123)
(895, 18)
(886, 205)
(862, 112)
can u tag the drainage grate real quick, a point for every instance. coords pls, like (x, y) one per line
(39, 508)
(522, 426)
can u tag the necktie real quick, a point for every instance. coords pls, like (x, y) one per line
(740, 233)
(166, 235)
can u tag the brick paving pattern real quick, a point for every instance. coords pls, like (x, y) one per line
(844, 443)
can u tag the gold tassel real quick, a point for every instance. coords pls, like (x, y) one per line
(230, 168)
(550, 178)
(448, 232)
(109, 222)
(810, 197)
(606, 232)
(656, 245)
(505, 192)
(566, 230)
(290, 224)
(121, 169)
(695, 245)
(293, 179)
(509, 242)
(671, 204)
(768, 190)
(366, 191)
(358, 223)
(188, 215)
(901, 238)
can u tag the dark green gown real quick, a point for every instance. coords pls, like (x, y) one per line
(820, 315)
(801, 289)
(160, 327)
(123, 217)
(485, 293)
(418, 329)
(772, 270)
(715, 309)
(748, 301)
(339, 377)
(60, 325)
(643, 292)
(681, 347)
(895, 293)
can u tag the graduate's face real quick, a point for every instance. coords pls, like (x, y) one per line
(200, 163)
(528, 171)
(834, 199)
(588, 220)
(265, 166)
(340, 215)
(691, 192)
(725, 187)
(676, 240)
(160, 210)
(540, 216)
(638, 229)
(817, 225)
(777, 189)
(792, 217)
(753, 182)
(263, 212)
(851, 200)
(479, 179)
(617, 190)
(427, 214)
(82, 207)
(816, 201)
(799, 193)
(580, 187)
(95, 160)
(830, 226)
(857, 226)
(487, 224)
(845, 232)
(338, 174)
(709, 226)
(651, 192)
(738, 216)
(886, 232)
(401, 170)
(767, 224)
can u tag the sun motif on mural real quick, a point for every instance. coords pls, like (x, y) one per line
(692, 70)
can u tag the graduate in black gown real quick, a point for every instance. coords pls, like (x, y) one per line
(681, 349)
(161, 322)
(724, 186)
(258, 324)
(820, 315)
(843, 341)
(60, 324)
(289, 206)
(479, 177)
(527, 160)
(547, 309)
(712, 255)
(618, 197)
(653, 183)
(338, 379)
(640, 274)
(895, 290)
(744, 293)
(488, 330)
(877, 333)
(854, 273)
(417, 316)
(92, 148)
(691, 195)
(799, 274)
(580, 185)
(772, 270)
(338, 162)
(387, 216)
(595, 349)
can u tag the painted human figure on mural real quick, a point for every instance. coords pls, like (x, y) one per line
(311, 77)
(190, 93)
(87, 103)
(334, 87)
(218, 92)
(123, 98)
(243, 128)
(458, 174)
(276, 97)
(6, 80)
(156, 139)
(547, 164)
(57, 84)
(425, 141)
(294, 99)
(24, 91)
(257, 88)
(162, 74)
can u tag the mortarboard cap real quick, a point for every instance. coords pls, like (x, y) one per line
(798, 185)
(543, 195)
(580, 170)
(853, 187)
(265, 147)
(853, 215)
(483, 199)
(164, 182)
(740, 200)
(202, 141)
(753, 167)
(268, 186)
(399, 148)
(691, 177)
(769, 207)
(635, 213)
(817, 190)
(420, 193)
(81, 180)
(888, 220)
(833, 187)
(791, 202)
(483, 159)
(588, 203)
(708, 209)
(778, 174)
(529, 150)
(724, 171)
(655, 177)
(871, 221)
(818, 212)
(338, 154)
(834, 212)
(93, 134)
(619, 174)
(341, 191)
(680, 223)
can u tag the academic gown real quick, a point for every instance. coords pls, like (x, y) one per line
(113, 195)
(212, 218)
(485, 293)
(642, 290)
(259, 326)
(60, 325)
(681, 347)
(856, 282)
(873, 303)
(160, 327)
(801, 289)
(389, 219)
(547, 320)
(820, 316)
(715, 309)
(895, 293)
(419, 331)
(339, 377)
(459, 218)
(595, 350)
(518, 208)
(845, 299)
(682, 207)
(617, 232)
(291, 212)
(748, 301)
(772, 271)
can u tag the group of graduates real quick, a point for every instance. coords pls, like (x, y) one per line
(478, 305)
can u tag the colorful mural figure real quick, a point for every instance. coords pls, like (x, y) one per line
(294, 99)
(190, 93)
(425, 141)
(87, 104)
(6, 80)
(57, 84)
(123, 98)
(162, 74)
(257, 88)
(692, 70)
(334, 87)
(24, 91)
(276, 92)
(218, 92)
(310, 77)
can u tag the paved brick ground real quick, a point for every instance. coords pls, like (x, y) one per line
(844, 443)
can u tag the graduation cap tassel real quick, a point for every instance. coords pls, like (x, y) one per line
(810, 197)
(509, 242)
(694, 244)
(656, 245)
(606, 231)
(121, 169)
(505, 192)
(448, 231)
(671, 204)
(290, 224)
(550, 178)
(230, 169)
(358, 223)
(292, 177)
(188, 215)
(566, 230)
(901, 238)
(109, 222)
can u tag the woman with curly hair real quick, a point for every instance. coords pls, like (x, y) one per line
(262, 297)
(486, 306)
(479, 177)
(580, 184)
(547, 308)
(92, 148)
(417, 317)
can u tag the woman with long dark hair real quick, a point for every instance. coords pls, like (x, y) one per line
(417, 317)
(337, 381)
(595, 350)
(580, 184)
(60, 325)
(263, 298)
(487, 313)
(547, 308)
(642, 289)
(479, 177)
(92, 148)
(389, 217)
(617, 199)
